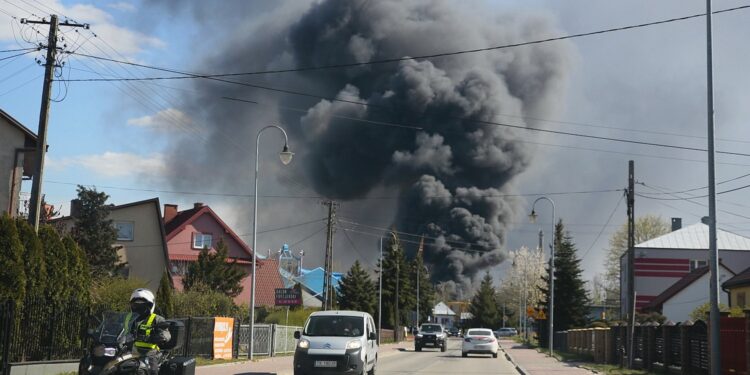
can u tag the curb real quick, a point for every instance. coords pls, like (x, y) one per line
(518, 367)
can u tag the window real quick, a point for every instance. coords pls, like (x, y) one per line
(696, 263)
(201, 240)
(741, 299)
(124, 230)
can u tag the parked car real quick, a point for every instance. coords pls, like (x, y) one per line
(506, 332)
(454, 332)
(432, 335)
(336, 341)
(479, 341)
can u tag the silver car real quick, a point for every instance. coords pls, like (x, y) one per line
(506, 332)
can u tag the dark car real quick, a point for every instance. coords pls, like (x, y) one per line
(430, 335)
(454, 332)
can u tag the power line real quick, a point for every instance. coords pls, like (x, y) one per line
(308, 237)
(400, 59)
(604, 226)
(689, 200)
(705, 187)
(693, 196)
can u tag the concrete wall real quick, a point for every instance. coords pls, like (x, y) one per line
(44, 368)
(11, 138)
(145, 254)
(679, 307)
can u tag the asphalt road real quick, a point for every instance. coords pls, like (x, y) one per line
(432, 361)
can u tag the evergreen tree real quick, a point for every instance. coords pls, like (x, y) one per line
(95, 233)
(356, 291)
(571, 300)
(397, 279)
(426, 289)
(484, 305)
(212, 271)
(56, 260)
(79, 275)
(12, 273)
(34, 260)
(165, 297)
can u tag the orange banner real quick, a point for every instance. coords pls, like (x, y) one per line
(223, 328)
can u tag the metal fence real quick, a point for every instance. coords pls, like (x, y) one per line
(284, 341)
(270, 339)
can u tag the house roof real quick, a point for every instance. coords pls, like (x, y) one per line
(678, 286)
(696, 237)
(267, 281)
(741, 279)
(313, 280)
(442, 309)
(186, 217)
(17, 124)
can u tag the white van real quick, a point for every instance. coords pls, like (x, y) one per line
(337, 342)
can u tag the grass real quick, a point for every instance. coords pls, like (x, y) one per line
(586, 362)
(200, 361)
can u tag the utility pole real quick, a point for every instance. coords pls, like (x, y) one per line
(631, 260)
(713, 317)
(380, 292)
(35, 204)
(328, 264)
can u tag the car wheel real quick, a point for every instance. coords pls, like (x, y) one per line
(372, 370)
(418, 348)
(494, 355)
(443, 348)
(464, 354)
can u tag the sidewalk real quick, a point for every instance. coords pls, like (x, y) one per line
(276, 365)
(530, 362)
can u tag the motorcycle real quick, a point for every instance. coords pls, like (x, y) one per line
(111, 348)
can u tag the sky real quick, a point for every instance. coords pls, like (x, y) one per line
(647, 84)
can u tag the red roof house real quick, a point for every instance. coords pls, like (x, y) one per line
(189, 231)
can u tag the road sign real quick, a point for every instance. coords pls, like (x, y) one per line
(530, 311)
(288, 297)
(541, 315)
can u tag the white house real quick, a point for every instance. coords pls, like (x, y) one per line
(691, 291)
(443, 315)
(663, 261)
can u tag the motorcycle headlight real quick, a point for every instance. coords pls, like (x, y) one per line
(98, 351)
(354, 344)
(110, 352)
(303, 344)
(419, 335)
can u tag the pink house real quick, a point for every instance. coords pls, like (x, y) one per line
(189, 231)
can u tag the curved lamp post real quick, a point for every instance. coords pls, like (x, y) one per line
(533, 217)
(286, 157)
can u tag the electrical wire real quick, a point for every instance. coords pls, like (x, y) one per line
(703, 187)
(609, 219)
(689, 201)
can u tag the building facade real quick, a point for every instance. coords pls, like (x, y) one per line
(17, 155)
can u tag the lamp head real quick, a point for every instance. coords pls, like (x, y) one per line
(532, 216)
(285, 155)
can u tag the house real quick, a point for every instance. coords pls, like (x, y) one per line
(692, 290)
(442, 314)
(189, 231)
(738, 288)
(17, 161)
(311, 282)
(663, 261)
(140, 238)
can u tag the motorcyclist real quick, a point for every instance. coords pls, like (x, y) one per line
(148, 335)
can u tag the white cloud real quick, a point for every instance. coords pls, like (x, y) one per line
(123, 6)
(162, 120)
(113, 164)
(127, 42)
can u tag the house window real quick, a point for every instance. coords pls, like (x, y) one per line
(124, 230)
(695, 264)
(201, 240)
(741, 299)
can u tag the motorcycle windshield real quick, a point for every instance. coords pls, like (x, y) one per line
(114, 325)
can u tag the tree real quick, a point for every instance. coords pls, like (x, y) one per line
(165, 296)
(95, 233)
(356, 291)
(396, 281)
(571, 300)
(79, 276)
(34, 259)
(56, 260)
(523, 281)
(646, 228)
(484, 305)
(12, 273)
(212, 271)
(426, 289)
(701, 312)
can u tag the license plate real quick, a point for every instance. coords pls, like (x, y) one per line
(325, 363)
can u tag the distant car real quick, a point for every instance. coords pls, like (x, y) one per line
(479, 341)
(431, 335)
(454, 332)
(506, 332)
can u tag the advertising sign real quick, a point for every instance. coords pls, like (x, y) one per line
(288, 297)
(223, 337)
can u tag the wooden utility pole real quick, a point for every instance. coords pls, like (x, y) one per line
(631, 260)
(328, 263)
(35, 204)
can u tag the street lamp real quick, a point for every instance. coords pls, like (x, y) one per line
(286, 157)
(533, 217)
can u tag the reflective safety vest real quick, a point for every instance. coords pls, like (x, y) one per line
(143, 331)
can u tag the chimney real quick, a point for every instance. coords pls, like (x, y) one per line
(676, 223)
(197, 205)
(75, 208)
(170, 211)
(704, 220)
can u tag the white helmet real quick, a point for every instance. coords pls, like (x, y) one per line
(144, 294)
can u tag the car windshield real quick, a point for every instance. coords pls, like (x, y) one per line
(480, 332)
(431, 328)
(334, 325)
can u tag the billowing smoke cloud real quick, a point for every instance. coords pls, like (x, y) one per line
(452, 175)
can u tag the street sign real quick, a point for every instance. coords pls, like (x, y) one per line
(530, 311)
(541, 315)
(288, 297)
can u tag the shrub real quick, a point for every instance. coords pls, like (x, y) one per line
(195, 303)
(113, 293)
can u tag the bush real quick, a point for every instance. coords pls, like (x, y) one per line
(113, 293)
(599, 324)
(195, 303)
(297, 316)
(701, 312)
